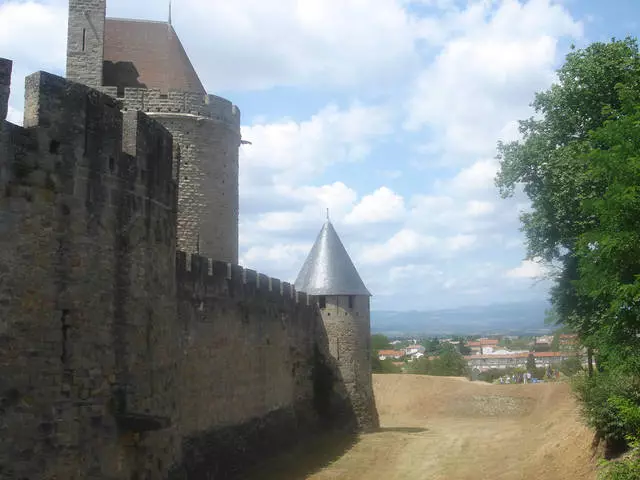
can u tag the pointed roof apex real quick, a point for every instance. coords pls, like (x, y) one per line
(328, 270)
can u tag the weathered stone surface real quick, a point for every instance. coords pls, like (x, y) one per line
(347, 326)
(122, 355)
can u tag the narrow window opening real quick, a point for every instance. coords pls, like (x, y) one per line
(84, 39)
(322, 301)
(112, 164)
(54, 146)
(350, 301)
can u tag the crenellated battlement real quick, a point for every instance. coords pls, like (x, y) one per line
(5, 86)
(76, 141)
(178, 102)
(220, 279)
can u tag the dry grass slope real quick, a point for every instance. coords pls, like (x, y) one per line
(441, 428)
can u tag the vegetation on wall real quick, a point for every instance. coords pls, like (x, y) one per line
(579, 164)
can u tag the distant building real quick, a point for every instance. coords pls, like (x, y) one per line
(544, 340)
(395, 354)
(483, 363)
(482, 346)
(568, 341)
(414, 349)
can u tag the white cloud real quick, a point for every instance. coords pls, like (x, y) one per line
(15, 116)
(477, 208)
(258, 44)
(460, 242)
(460, 75)
(383, 205)
(281, 258)
(528, 269)
(484, 77)
(479, 176)
(311, 204)
(403, 243)
(291, 151)
(34, 33)
(408, 243)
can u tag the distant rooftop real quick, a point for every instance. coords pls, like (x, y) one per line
(147, 54)
(328, 270)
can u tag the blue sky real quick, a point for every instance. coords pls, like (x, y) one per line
(385, 111)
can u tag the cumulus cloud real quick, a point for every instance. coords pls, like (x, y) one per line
(482, 78)
(528, 269)
(383, 205)
(403, 243)
(289, 151)
(34, 33)
(414, 203)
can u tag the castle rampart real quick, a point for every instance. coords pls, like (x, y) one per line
(5, 86)
(206, 130)
(120, 357)
(174, 101)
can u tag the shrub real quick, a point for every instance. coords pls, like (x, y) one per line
(571, 366)
(626, 469)
(611, 405)
(383, 366)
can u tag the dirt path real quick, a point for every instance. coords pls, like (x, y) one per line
(449, 428)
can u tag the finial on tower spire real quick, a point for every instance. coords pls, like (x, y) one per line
(327, 214)
(169, 12)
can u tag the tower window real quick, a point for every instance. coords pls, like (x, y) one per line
(322, 301)
(351, 301)
(84, 39)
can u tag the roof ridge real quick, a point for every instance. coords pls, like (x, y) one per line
(138, 20)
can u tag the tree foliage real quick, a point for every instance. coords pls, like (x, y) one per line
(380, 342)
(449, 363)
(579, 164)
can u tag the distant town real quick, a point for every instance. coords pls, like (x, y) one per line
(479, 357)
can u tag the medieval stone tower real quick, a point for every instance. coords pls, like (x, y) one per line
(144, 65)
(343, 300)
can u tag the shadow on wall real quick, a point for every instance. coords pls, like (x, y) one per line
(319, 405)
(122, 75)
(337, 424)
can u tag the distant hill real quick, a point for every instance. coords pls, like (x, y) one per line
(510, 319)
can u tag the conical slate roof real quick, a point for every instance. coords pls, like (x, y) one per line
(328, 270)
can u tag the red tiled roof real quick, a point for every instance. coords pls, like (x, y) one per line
(391, 353)
(519, 355)
(483, 342)
(147, 54)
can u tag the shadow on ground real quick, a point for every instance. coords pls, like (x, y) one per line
(306, 459)
(314, 455)
(401, 429)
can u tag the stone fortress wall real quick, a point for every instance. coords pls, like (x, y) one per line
(120, 356)
(206, 130)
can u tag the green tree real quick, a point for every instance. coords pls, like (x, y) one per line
(384, 366)
(449, 362)
(531, 363)
(380, 342)
(579, 164)
(462, 345)
(432, 346)
(552, 165)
